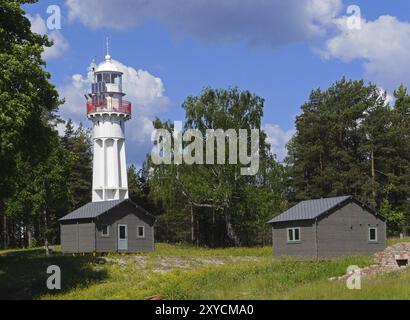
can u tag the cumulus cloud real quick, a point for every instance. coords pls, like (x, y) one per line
(38, 25)
(278, 138)
(146, 93)
(383, 45)
(260, 22)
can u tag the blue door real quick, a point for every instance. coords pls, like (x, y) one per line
(122, 237)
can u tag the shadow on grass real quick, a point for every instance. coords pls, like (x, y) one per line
(23, 274)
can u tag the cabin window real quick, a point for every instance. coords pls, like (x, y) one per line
(293, 234)
(373, 234)
(105, 230)
(140, 232)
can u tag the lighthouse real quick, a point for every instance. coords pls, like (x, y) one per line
(108, 112)
(111, 222)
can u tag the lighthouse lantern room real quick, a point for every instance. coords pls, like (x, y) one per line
(108, 112)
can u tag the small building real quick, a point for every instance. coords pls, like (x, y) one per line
(326, 228)
(108, 226)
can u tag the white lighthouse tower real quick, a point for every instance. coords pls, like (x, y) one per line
(108, 112)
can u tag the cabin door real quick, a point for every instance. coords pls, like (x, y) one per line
(122, 237)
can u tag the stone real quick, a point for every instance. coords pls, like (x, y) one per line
(386, 261)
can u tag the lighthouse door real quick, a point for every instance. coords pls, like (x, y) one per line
(122, 237)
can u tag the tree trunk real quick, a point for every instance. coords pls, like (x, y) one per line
(373, 179)
(213, 229)
(230, 230)
(5, 235)
(46, 232)
(197, 233)
(3, 231)
(29, 236)
(192, 225)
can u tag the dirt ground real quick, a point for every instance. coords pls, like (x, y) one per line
(167, 264)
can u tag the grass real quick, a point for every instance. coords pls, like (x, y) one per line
(261, 280)
(393, 241)
(182, 272)
(23, 273)
(392, 286)
(163, 249)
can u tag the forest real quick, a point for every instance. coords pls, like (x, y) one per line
(350, 139)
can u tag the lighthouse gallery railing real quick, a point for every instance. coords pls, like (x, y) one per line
(109, 106)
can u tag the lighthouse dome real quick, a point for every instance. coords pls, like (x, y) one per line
(107, 65)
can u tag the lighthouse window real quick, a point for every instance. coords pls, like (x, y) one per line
(99, 77)
(107, 78)
(115, 78)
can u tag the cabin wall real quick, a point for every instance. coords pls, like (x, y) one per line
(345, 232)
(131, 216)
(78, 236)
(306, 247)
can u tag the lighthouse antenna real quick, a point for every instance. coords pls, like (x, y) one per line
(108, 46)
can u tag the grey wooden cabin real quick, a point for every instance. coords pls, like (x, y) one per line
(326, 228)
(108, 226)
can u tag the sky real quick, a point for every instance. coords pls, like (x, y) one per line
(169, 50)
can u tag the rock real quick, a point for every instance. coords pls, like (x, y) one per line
(386, 261)
(100, 260)
(122, 262)
(153, 298)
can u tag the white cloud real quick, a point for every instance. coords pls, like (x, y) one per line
(38, 25)
(278, 138)
(261, 22)
(382, 44)
(146, 93)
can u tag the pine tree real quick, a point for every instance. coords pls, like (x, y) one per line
(350, 141)
(79, 152)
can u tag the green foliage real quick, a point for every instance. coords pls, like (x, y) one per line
(395, 219)
(78, 147)
(28, 102)
(214, 204)
(350, 141)
(46, 191)
(27, 98)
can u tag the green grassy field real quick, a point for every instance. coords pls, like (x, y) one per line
(393, 241)
(181, 272)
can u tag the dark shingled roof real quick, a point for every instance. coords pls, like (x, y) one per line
(94, 209)
(309, 209)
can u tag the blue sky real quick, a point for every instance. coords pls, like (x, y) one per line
(280, 51)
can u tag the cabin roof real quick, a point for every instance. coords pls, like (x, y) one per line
(94, 209)
(310, 209)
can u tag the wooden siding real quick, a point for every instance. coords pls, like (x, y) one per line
(304, 248)
(132, 217)
(345, 232)
(78, 237)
